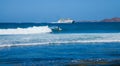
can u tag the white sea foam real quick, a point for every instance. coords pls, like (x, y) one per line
(59, 42)
(25, 44)
(43, 39)
(30, 30)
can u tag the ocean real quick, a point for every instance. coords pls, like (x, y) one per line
(59, 44)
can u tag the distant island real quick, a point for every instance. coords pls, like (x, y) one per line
(68, 20)
(115, 19)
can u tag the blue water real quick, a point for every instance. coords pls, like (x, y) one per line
(90, 27)
(73, 44)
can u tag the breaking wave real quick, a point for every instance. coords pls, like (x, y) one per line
(30, 30)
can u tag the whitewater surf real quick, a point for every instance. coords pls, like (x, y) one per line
(29, 30)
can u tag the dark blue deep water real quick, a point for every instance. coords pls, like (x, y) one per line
(53, 44)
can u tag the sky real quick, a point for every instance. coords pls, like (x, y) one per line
(52, 10)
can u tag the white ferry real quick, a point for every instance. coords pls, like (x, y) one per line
(66, 21)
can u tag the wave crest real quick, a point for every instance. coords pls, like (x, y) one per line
(30, 30)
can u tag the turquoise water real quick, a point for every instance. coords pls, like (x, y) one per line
(89, 43)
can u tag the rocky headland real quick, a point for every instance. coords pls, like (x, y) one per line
(115, 19)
